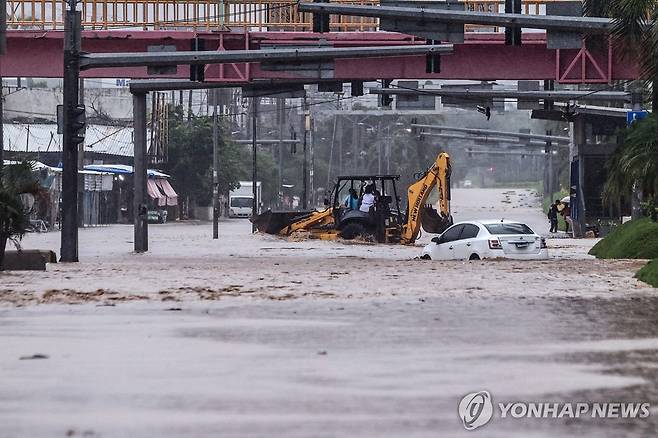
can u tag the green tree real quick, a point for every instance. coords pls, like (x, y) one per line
(16, 180)
(191, 156)
(635, 161)
(635, 33)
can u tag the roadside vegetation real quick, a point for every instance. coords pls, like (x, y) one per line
(191, 159)
(633, 169)
(16, 182)
(637, 239)
(649, 274)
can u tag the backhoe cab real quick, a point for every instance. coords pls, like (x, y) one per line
(384, 222)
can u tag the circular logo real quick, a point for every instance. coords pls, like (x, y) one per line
(475, 409)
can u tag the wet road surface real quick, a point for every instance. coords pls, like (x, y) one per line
(368, 368)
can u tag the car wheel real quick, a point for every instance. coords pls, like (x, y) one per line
(474, 257)
(353, 230)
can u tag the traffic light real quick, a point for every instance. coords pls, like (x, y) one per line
(78, 123)
(357, 88)
(485, 110)
(416, 131)
(385, 100)
(198, 71)
(433, 60)
(569, 112)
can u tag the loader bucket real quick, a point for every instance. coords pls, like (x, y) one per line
(272, 222)
(433, 222)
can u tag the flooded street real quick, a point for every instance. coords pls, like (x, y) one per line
(258, 336)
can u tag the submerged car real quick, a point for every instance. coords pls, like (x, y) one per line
(476, 240)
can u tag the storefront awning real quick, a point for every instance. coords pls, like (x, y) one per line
(170, 196)
(152, 189)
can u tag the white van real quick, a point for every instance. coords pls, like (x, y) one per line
(241, 199)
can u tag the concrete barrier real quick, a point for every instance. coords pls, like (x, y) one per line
(29, 260)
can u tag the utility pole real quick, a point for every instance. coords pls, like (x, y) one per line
(3, 50)
(548, 169)
(389, 146)
(254, 144)
(215, 168)
(550, 176)
(2, 126)
(379, 149)
(340, 147)
(636, 190)
(355, 140)
(69, 236)
(281, 115)
(311, 171)
(140, 176)
(331, 151)
(305, 127)
(81, 162)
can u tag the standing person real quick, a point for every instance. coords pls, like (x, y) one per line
(351, 200)
(566, 214)
(368, 199)
(552, 216)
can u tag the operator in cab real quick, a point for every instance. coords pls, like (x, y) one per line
(351, 200)
(368, 199)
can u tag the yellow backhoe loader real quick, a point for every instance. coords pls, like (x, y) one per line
(384, 222)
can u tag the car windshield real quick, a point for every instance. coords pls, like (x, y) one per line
(500, 229)
(241, 202)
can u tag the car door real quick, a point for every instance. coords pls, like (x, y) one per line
(463, 246)
(444, 249)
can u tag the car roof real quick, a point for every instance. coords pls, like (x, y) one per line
(489, 222)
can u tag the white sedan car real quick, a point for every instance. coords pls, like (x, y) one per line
(475, 240)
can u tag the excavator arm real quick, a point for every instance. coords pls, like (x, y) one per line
(438, 175)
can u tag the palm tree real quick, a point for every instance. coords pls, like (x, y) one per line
(16, 180)
(635, 161)
(635, 33)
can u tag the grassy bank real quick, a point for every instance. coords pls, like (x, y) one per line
(649, 274)
(636, 239)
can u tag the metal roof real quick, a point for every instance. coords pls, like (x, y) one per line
(123, 169)
(109, 140)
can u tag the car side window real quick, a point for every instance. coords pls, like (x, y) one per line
(452, 234)
(470, 231)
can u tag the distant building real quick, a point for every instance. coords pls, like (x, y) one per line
(107, 177)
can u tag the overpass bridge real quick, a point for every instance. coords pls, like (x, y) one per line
(35, 35)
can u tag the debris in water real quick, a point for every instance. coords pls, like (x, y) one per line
(34, 356)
